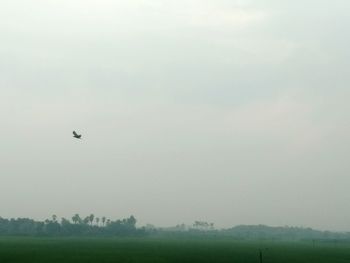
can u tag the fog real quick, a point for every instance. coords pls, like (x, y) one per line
(232, 112)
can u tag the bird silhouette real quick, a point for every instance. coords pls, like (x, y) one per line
(76, 135)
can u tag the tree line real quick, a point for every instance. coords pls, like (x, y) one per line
(92, 225)
(77, 226)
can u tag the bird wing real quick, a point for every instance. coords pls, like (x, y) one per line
(75, 134)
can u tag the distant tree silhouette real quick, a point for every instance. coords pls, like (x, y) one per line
(52, 227)
(91, 218)
(131, 221)
(64, 222)
(86, 220)
(122, 227)
(127, 227)
(204, 226)
(78, 227)
(76, 219)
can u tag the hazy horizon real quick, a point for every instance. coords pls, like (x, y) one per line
(232, 112)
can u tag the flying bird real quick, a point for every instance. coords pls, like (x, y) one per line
(76, 135)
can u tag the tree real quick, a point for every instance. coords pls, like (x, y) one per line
(52, 227)
(64, 227)
(64, 221)
(202, 225)
(103, 220)
(76, 219)
(86, 220)
(91, 218)
(122, 227)
(131, 221)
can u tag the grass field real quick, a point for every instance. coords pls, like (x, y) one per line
(103, 250)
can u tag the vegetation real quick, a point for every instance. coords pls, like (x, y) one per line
(81, 250)
(252, 232)
(96, 226)
(99, 239)
(89, 226)
(262, 232)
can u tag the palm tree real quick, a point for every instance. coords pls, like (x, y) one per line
(103, 220)
(76, 218)
(97, 219)
(86, 220)
(91, 218)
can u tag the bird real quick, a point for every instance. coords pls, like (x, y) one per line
(76, 135)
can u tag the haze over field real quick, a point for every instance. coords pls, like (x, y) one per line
(233, 112)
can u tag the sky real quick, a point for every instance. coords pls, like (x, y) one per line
(226, 111)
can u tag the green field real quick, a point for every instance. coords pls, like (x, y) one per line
(100, 250)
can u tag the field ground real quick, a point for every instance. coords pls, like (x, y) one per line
(103, 250)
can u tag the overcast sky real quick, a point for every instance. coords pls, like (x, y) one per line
(232, 112)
